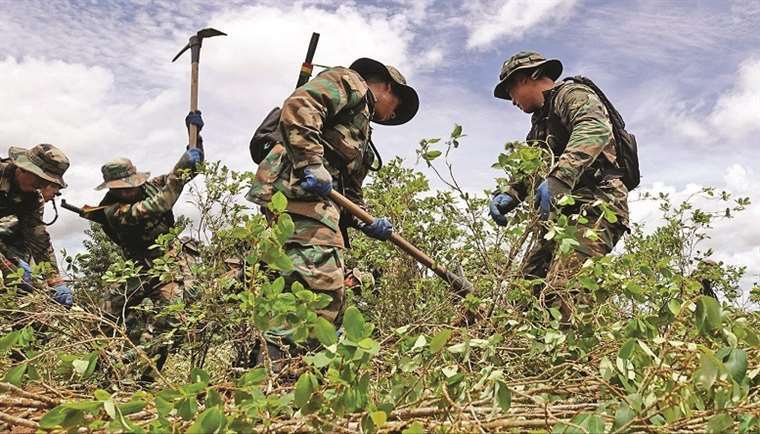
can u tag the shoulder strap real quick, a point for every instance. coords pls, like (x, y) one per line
(612, 111)
(550, 111)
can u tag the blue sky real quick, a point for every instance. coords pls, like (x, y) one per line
(95, 77)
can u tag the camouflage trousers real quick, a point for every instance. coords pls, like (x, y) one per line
(544, 261)
(139, 313)
(318, 267)
(139, 309)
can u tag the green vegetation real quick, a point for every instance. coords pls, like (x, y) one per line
(650, 354)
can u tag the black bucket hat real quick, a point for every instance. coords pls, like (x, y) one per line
(410, 102)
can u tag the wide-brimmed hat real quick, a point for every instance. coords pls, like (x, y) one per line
(525, 60)
(43, 160)
(121, 173)
(410, 102)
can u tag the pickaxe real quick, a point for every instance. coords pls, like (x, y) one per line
(195, 53)
(459, 284)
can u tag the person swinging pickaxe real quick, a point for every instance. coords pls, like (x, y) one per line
(195, 53)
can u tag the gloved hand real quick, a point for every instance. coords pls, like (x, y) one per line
(380, 229)
(195, 119)
(546, 192)
(27, 271)
(63, 295)
(500, 205)
(317, 180)
(190, 159)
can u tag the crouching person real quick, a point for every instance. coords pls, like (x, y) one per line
(28, 179)
(136, 211)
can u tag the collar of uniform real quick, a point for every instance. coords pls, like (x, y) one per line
(549, 94)
(371, 103)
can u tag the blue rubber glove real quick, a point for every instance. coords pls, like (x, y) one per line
(380, 229)
(27, 271)
(195, 156)
(194, 118)
(500, 205)
(543, 200)
(317, 180)
(190, 159)
(63, 295)
(547, 191)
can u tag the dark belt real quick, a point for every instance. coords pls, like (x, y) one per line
(593, 177)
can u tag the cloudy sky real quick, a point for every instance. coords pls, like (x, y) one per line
(95, 77)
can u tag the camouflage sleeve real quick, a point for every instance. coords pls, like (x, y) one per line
(305, 112)
(157, 204)
(159, 181)
(37, 238)
(590, 128)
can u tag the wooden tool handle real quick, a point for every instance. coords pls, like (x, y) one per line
(459, 284)
(193, 130)
(396, 239)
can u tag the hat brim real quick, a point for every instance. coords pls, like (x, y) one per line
(552, 67)
(132, 181)
(20, 157)
(410, 101)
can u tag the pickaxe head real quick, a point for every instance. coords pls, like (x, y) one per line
(195, 43)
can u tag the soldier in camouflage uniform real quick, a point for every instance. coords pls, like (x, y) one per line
(327, 144)
(135, 211)
(28, 179)
(571, 122)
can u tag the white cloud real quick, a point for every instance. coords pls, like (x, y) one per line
(431, 58)
(490, 21)
(257, 65)
(737, 112)
(96, 107)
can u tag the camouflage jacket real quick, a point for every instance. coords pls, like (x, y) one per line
(29, 237)
(135, 226)
(324, 121)
(574, 125)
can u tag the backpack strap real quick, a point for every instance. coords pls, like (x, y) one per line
(605, 169)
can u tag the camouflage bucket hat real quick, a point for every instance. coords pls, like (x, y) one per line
(410, 102)
(43, 160)
(525, 60)
(121, 173)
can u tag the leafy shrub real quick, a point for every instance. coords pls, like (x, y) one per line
(652, 353)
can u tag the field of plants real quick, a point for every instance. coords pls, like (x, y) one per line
(649, 352)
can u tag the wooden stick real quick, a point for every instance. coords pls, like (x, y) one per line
(460, 285)
(7, 387)
(22, 403)
(193, 130)
(13, 420)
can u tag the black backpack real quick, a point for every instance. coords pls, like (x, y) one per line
(266, 136)
(626, 148)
